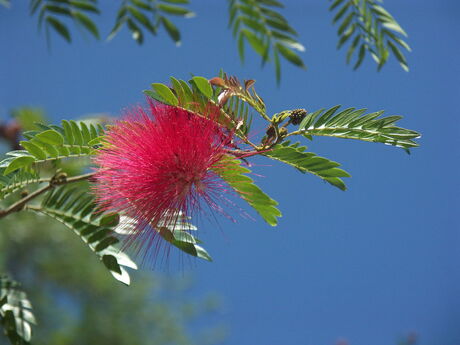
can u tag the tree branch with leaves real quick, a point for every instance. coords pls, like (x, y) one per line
(143, 179)
(366, 24)
(222, 100)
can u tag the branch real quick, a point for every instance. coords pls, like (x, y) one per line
(57, 180)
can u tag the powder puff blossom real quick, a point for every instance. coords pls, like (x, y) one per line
(157, 165)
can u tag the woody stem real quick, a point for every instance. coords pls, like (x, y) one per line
(57, 180)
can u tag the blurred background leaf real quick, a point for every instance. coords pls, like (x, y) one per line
(55, 14)
(149, 16)
(269, 34)
(371, 29)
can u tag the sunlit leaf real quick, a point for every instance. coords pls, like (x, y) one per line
(76, 209)
(352, 124)
(266, 30)
(372, 26)
(295, 155)
(235, 175)
(16, 314)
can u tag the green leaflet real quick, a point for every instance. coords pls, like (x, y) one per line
(73, 139)
(266, 31)
(75, 208)
(163, 94)
(137, 15)
(150, 15)
(295, 155)
(201, 95)
(239, 110)
(183, 95)
(203, 85)
(53, 14)
(234, 174)
(15, 181)
(51, 137)
(87, 23)
(196, 96)
(178, 234)
(369, 23)
(59, 27)
(172, 30)
(16, 314)
(182, 239)
(352, 124)
(17, 163)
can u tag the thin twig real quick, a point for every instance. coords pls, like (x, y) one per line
(57, 180)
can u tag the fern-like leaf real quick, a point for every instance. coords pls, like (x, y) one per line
(295, 155)
(268, 33)
(235, 175)
(202, 96)
(52, 143)
(371, 29)
(239, 110)
(231, 86)
(178, 234)
(76, 209)
(150, 15)
(15, 181)
(193, 96)
(352, 124)
(16, 314)
(54, 14)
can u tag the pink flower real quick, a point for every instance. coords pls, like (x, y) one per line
(157, 165)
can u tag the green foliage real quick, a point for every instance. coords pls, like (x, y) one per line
(17, 159)
(137, 15)
(352, 124)
(232, 101)
(234, 174)
(225, 94)
(27, 117)
(266, 30)
(16, 314)
(178, 234)
(15, 181)
(373, 29)
(196, 96)
(295, 155)
(239, 110)
(52, 143)
(203, 85)
(51, 13)
(235, 100)
(182, 94)
(202, 97)
(366, 24)
(76, 209)
(76, 302)
(150, 15)
(231, 86)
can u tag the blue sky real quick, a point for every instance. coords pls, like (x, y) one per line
(369, 264)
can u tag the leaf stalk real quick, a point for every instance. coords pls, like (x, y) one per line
(58, 179)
